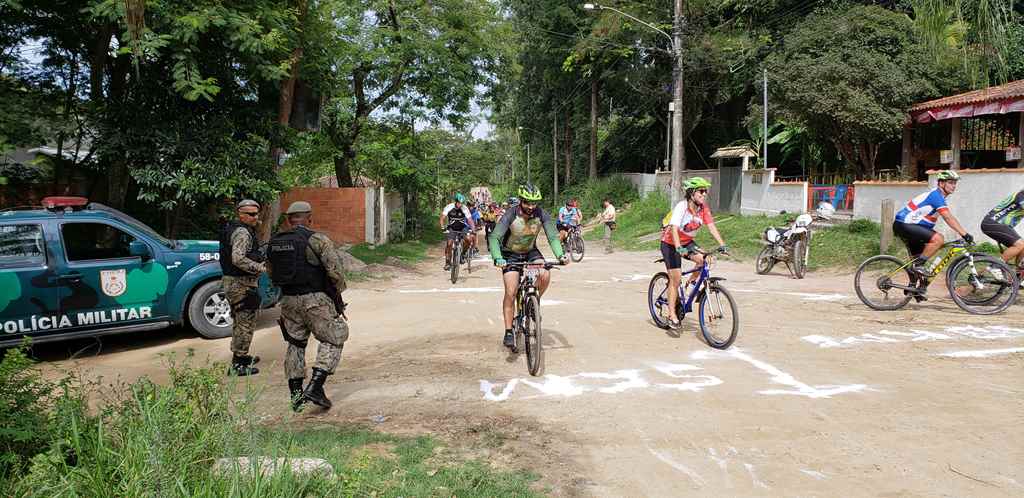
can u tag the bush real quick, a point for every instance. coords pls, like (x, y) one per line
(590, 194)
(23, 396)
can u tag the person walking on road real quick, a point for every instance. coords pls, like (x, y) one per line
(310, 272)
(242, 263)
(608, 218)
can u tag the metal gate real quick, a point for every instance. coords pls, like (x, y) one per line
(730, 189)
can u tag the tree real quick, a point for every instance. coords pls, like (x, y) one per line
(850, 74)
(422, 60)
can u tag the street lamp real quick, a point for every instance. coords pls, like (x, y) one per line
(675, 41)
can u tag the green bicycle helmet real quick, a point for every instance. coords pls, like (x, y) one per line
(459, 197)
(948, 175)
(696, 183)
(530, 193)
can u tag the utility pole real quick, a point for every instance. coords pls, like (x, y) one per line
(764, 118)
(678, 162)
(527, 162)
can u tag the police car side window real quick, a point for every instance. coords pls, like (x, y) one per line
(92, 241)
(21, 245)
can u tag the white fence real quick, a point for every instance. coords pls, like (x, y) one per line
(650, 182)
(763, 195)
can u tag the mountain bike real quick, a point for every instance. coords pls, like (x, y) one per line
(978, 283)
(574, 243)
(458, 257)
(719, 320)
(527, 323)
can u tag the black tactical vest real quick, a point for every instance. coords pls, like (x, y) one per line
(226, 264)
(291, 270)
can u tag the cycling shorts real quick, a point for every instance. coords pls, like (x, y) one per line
(913, 235)
(563, 227)
(456, 234)
(674, 260)
(533, 256)
(1003, 234)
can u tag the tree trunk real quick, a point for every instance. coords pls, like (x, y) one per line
(568, 149)
(270, 213)
(594, 86)
(343, 165)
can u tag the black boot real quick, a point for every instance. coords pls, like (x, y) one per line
(315, 389)
(243, 365)
(295, 391)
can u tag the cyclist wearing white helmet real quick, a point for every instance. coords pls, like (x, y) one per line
(677, 239)
(915, 223)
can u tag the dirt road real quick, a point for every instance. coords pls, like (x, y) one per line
(819, 396)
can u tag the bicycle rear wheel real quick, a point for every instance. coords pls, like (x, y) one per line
(456, 260)
(875, 278)
(657, 299)
(719, 321)
(533, 335)
(765, 261)
(990, 289)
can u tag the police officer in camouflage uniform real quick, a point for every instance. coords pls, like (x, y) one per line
(242, 263)
(306, 266)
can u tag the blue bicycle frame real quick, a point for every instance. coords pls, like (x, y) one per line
(686, 306)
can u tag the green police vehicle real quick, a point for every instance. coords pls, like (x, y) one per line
(74, 268)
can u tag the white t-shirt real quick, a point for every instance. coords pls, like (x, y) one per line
(608, 214)
(466, 218)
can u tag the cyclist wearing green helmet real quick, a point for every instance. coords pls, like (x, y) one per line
(514, 240)
(998, 225)
(677, 239)
(457, 222)
(915, 223)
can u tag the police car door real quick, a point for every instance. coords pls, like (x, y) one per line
(28, 292)
(105, 286)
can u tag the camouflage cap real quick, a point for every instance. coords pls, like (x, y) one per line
(247, 203)
(299, 207)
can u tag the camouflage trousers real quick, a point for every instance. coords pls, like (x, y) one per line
(312, 314)
(241, 295)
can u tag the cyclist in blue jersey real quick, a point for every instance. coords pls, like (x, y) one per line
(915, 223)
(999, 222)
(568, 216)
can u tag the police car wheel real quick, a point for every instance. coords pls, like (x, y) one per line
(209, 311)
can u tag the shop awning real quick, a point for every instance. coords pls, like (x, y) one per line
(1002, 99)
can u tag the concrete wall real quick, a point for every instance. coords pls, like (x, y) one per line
(976, 194)
(650, 182)
(763, 195)
(867, 203)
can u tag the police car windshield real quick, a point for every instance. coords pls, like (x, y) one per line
(138, 225)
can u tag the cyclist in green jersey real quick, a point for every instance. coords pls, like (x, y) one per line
(514, 240)
(999, 222)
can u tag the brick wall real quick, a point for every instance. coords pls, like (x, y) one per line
(338, 212)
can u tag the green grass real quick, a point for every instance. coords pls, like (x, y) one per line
(842, 247)
(411, 251)
(150, 439)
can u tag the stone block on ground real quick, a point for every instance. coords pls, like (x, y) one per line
(267, 466)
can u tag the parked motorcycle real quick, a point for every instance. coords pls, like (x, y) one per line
(791, 246)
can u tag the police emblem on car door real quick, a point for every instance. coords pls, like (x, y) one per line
(113, 282)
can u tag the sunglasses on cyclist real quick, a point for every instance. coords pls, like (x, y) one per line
(250, 213)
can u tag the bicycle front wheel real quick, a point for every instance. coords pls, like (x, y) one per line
(456, 261)
(533, 336)
(987, 287)
(469, 261)
(875, 279)
(799, 258)
(576, 243)
(719, 321)
(657, 299)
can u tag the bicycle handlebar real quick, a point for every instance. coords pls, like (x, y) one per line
(547, 264)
